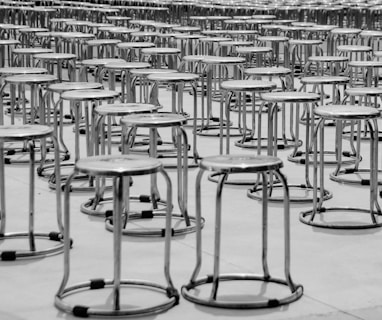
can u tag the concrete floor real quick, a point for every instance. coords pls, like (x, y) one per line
(340, 270)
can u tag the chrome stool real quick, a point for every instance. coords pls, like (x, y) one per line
(6, 48)
(120, 168)
(224, 166)
(102, 48)
(280, 49)
(161, 58)
(256, 56)
(56, 62)
(22, 57)
(355, 52)
(293, 101)
(300, 51)
(28, 134)
(95, 206)
(364, 73)
(153, 122)
(94, 66)
(318, 215)
(132, 51)
(325, 65)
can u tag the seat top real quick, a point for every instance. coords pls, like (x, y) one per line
(364, 91)
(292, 96)
(117, 165)
(371, 33)
(31, 78)
(145, 72)
(346, 31)
(21, 70)
(89, 95)
(328, 59)
(268, 71)
(127, 65)
(137, 45)
(354, 48)
(173, 77)
(55, 56)
(325, 80)
(77, 35)
(195, 58)
(186, 29)
(100, 42)
(363, 63)
(223, 60)
(240, 163)
(100, 62)
(8, 42)
(214, 39)
(23, 132)
(248, 85)
(346, 112)
(273, 39)
(32, 50)
(123, 109)
(235, 43)
(186, 36)
(68, 86)
(31, 30)
(156, 50)
(305, 42)
(253, 49)
(154, 120)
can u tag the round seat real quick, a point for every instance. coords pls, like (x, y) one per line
(89, 95)
(30, 78)
(338, 31)
(354, 48)
(54, 56)
(194, 58)
(154, 120)
(328, 59)
(223, 60)
(293, 96)
(21, 70)
(248, 85)
(8, 42)
(305, 42)
(146, 72)
(135, 45)
(68, 86)
(100, 62)
(30, 51)
(365, 64)
(240, 163)
(101, 42)
(23, 132)
(173, 77)
(160, 51)
(186, 29)
(273, 39)
(121, 109)
(123, 65)
(268, 71)
(121, 165)
(325, 80)
(253, 49)
(361, 91)
(344, 112)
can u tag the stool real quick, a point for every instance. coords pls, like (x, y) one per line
(95, 205)
(94, 65)
(75, 43)
(325, 65)
(22, 57)
(341, 36)
(209, 45)
(120, 168)
(229, 48)
(364, 73)
(280, 49)
(28, 38)
(317, 215)
(284, 75)
(153, 122)
(193, 291)
(123, 70)
(161, 58)
(56, 62)
(87, 100)
(188, 43)
(355, 52)
(256, 56)
(300, 51)
(292, 100)
(132, 51)
(102, 48)
(6, 47)
(28, 134)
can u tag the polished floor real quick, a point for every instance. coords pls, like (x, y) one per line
(340, 270)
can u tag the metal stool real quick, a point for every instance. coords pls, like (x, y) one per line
(179, 150)
(22, 57)
(132, 51)
(364, 73)
(256, 56)
(120, 168)
(103, 145)
(232, 164)
(56, 62)
(28, 134)
(300, 51)
(6, 47)
(280, 49)
(355, 52)
(102, 48)
(95, 66)
(318, 215)
(160, 58)
(293, 101)
(325, 65)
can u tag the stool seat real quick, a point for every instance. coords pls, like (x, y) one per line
(100, 42)
(151, 71)
(346, 31)
(89, 95)
(253, 49)
(154, 120)
(173, 77)
(77, 35)
(371, 33)
(273, 39)
(68, 86)
(354, 48)
(130, 45)
(293, 96)
(344, 112)
(31, 78)
(31, 30)
(159, 51)
(120, 65)
(22, 132)
(325, 80)
(121, 165)
(268, 71)
(183, 36)
(328, 59)
(32, 50)
(100, 62)
(186, 29)
(8, 42)
(248, 85)
(121, 109)
(194, 58)
(363, 63)
(305, 42)
(214, 39)
(222, 60)
(237, 43)
(21, 70)
(360, 91)
(240, 163)
(55, 56)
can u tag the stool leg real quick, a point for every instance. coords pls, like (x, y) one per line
(117, 235)
(265, 226)
(215, 278)
(2, 191)
(32, 243)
